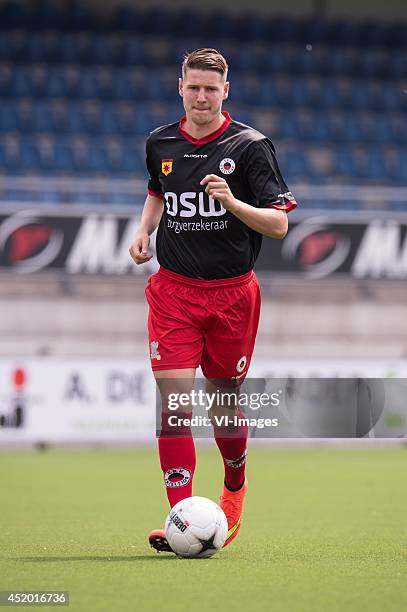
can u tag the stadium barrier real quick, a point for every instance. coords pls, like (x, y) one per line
(106, 401)
(318, 245)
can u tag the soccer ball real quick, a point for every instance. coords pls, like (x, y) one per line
(196, 527)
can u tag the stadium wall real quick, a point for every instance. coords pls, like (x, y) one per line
(391, 10)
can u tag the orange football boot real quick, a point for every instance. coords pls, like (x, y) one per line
(231, 503)
(158, 541)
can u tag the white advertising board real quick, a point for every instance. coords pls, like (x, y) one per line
(102, 401)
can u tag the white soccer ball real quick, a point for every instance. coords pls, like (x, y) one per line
(196, 527)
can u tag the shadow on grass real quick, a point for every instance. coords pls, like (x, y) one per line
(107, 558)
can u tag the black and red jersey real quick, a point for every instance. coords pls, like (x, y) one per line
(197, 237)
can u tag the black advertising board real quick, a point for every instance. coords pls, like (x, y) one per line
(316, 246)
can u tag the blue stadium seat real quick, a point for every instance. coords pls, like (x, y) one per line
(21, 82)
(251, 27)
(295, 165)
(306, 91)
(374, 167)
(383, 129)
(98, 160)
(318, 127)
(311, 30)
(282, 29)
(64, 159)
(89, 84)
(56, 85)
(290, 125)
(342, 62)
(133, 52)
(342, 32)
(132, 160)
(140, 122)
(42, 119)
(397, 35)
(109, 120)
(363, 95)
(397, 171)
(344, 163)
(71, 48)
(34, 48)
(161, 86)
(30, 159)
(372, 34)
(397, 65)
(352, 128)
(274, 59)
(76, 119)
(105, 50)
(126, 86)
(393, 96)
(217, 26)
(312, 61)
(374, 64)
(9, 121)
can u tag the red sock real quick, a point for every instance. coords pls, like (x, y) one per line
(178, 459)
(232, 443)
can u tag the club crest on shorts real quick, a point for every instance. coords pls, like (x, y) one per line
(154, 354)
(166, 166)
(177, 477)
(227, 165)
(241, 364)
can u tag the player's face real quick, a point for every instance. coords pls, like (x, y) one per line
(203, 92)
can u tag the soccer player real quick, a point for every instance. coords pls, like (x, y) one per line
(214, 190)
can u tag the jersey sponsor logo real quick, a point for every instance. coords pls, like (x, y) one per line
(177, 477)
(195, 155)
(196, 226)
(166, 166)
(190, 203)
(227, 165)
(154, 350)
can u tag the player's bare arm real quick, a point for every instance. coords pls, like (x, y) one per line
(150, 218)
(267, 221)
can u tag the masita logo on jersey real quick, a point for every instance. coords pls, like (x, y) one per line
(227, 165)
(190, 203)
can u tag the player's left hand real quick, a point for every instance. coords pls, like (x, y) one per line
(218, 189)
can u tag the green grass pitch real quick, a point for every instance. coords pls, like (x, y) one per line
(324, 530)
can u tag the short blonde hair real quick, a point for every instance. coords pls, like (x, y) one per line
(205, 59)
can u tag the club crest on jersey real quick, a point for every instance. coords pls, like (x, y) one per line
(166, 166)
(227, 165)
(154, 350)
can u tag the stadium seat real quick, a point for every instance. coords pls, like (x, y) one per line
(344, 164)
(69, 77)
(64, 160)
(8, 117)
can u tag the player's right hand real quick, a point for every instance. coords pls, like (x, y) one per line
(139, 249)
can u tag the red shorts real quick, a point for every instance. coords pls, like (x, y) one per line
(207, 323)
